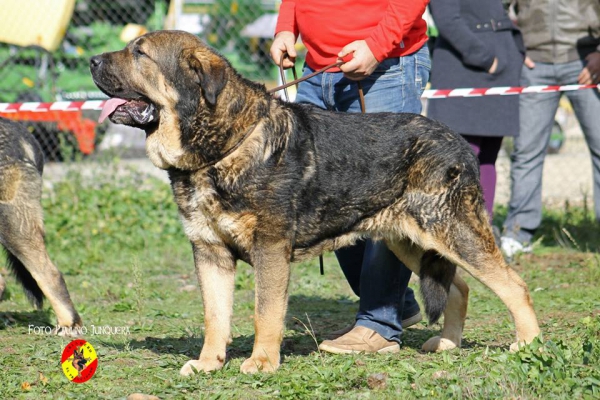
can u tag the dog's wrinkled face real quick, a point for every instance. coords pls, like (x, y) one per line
(149, 80)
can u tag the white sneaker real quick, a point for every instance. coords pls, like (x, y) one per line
(510, 247)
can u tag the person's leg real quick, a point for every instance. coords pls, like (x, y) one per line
(395, 87)
(490, 147)
(383, 284)
(351, 260)
(527, 159)
(586, 104)
(486, 149)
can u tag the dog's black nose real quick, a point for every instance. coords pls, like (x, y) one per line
(95, 61)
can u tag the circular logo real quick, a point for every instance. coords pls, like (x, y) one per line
(79, 361)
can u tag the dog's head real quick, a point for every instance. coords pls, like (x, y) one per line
(172, 85)
(154, 78)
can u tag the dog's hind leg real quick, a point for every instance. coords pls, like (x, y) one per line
(22, 235)
(451, 298)
(215, 267)
(30, 261)
(513, 291)
(272, 269)
(470, 244)
(454, 318)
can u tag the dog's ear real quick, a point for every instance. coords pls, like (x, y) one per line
(208, 71)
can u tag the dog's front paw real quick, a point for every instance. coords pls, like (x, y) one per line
(518, 346)
(253, 365)
(193, 366)
(437, 343)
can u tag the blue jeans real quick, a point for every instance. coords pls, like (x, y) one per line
(527, 160)
(372, 270)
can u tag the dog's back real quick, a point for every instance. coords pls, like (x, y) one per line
(364, 163)
(22, 223)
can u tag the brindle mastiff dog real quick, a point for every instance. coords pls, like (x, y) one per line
(270, 183)
(22, 225)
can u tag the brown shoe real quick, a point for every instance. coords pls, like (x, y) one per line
(360, 340)
(340, 332)
(408, 322)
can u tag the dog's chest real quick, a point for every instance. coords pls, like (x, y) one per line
(205, 217)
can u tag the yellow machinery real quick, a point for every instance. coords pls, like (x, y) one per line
(35, 22)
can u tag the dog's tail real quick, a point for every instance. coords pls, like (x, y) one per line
(437, 275)
(32, 289)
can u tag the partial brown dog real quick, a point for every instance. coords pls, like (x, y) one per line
(269, 182)
(22, 225)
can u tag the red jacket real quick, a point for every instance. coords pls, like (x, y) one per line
(391, 28)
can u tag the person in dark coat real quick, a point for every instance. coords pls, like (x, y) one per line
(478, 46)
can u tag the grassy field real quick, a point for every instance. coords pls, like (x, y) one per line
(126, 261)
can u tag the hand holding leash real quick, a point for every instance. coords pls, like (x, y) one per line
(284, 43)
(362, 63)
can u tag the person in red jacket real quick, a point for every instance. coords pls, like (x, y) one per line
(386, 39)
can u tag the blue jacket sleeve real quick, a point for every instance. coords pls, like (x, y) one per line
(454, 29)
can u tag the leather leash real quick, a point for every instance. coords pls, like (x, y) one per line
(296, 81)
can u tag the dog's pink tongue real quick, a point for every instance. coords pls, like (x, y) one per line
(109, 107)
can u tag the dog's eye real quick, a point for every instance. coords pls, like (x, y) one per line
(139, 52)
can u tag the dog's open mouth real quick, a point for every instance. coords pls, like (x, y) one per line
(122, 111)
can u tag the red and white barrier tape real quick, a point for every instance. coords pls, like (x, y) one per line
(501, 91)
(8, 108)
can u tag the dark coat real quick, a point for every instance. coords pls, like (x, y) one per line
(471, 34)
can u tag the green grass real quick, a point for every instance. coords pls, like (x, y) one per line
(118, 241)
